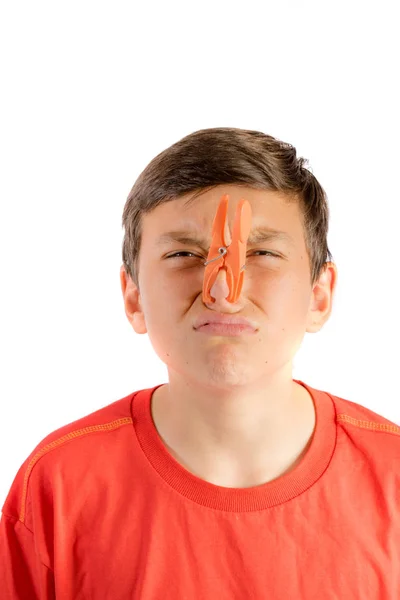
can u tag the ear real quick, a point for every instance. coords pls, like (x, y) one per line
(322, 298)
(133, 308)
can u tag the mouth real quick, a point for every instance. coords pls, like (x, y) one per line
(225, 329)
(224, 324)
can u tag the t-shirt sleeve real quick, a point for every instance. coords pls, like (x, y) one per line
(22, 574)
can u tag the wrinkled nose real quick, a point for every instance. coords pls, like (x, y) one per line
(220, 288)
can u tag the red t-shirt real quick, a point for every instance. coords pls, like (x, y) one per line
(100, 510)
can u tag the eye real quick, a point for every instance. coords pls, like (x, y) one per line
(267, 252)
(182, 253)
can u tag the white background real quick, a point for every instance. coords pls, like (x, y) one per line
(91, 92)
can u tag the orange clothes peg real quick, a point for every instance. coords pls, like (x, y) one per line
(232, 258)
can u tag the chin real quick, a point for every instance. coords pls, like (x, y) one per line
(228, 373)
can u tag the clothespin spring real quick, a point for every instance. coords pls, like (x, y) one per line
(222, 251)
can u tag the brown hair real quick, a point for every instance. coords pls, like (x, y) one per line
(225, 155)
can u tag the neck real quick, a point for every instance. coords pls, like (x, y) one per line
(235, 437)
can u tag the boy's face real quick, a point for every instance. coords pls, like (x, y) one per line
(277, 295)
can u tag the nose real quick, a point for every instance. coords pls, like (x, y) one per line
(220, 291)
(220, 288)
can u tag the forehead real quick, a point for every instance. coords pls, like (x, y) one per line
(194, 214)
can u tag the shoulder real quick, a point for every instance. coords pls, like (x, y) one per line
(70, 452)
(372, 433)
(352, 414)
(106, 419)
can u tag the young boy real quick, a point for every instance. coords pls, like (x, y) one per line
(232, 480)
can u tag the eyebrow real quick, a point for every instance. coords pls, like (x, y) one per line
(257, 236)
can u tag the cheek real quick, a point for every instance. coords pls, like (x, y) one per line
(180, 285)
(284, 296)
(167, 295)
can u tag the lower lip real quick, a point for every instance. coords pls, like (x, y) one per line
(225, 329)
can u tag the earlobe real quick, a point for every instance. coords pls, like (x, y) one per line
(138, 322)
(133, 308)
(322, 298)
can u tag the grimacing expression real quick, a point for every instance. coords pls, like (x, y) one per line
(277, 293)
